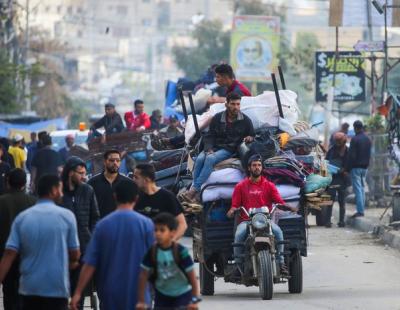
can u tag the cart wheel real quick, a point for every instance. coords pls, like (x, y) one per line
(296, 273)
(206, 281)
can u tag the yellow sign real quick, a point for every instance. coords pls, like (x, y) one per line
(255, 47)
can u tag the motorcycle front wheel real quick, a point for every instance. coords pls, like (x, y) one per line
(265, 276)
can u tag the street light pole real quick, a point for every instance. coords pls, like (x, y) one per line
(385, 77)
(27, 82)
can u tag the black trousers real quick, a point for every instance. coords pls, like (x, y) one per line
(340, 193)
(43, 303)
(10, 288)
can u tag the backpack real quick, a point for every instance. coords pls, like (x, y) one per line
(153, 260)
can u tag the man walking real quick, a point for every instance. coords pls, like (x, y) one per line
(17, 151)
(154, 200)
(137, 120)
(45, 239)
(4, 169)
(65, 151)
(104, 183)
(227, 130)
(80, 198)
(115, 253)
(358, 162)
(46, 161)
(11, 204)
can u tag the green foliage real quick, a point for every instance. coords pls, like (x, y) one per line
(78, 111)
(212, 47)
(375, 124)
(8, 84)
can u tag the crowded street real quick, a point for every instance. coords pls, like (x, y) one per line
(345, 269)
(208, 154)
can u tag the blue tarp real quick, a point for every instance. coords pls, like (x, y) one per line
(171, 95)
(9, 130)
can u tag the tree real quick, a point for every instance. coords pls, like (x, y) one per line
(9, 73)
(212, 46)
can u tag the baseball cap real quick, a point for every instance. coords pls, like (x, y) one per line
(73, 162)
(255, 157)
(18, 137)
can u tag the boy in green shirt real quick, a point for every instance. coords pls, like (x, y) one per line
(170, 268)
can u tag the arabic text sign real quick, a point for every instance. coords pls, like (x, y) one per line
(254, 47)
(369, 46)
(350, 76)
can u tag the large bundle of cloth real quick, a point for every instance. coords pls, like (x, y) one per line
(285, 169)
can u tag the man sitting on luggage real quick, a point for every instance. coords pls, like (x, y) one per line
(255, 192)
(227, 130)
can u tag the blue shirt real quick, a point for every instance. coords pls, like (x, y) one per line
(171, 280)
(119, 242)
(42, 235)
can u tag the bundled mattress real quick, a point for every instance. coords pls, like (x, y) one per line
(215, 191)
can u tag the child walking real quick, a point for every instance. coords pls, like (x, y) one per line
(170, 268)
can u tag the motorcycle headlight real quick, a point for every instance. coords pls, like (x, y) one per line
(259, 221)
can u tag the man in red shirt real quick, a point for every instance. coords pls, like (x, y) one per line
(137, 120)
(225, 77)
(255, 192)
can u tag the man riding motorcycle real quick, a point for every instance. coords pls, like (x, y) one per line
(255, 192)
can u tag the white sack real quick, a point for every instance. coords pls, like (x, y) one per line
(203, 120)
(263, 109)
(199, 101)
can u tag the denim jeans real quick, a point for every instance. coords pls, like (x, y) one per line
(357, 180)
(241, 235)
(204, 166)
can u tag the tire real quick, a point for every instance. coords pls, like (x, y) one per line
(206, 282)
(265, 276)
(296, 273)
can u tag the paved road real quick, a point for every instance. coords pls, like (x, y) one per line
(345, 269)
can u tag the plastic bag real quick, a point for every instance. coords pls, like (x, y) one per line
(316, 181)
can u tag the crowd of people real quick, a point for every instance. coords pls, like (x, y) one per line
(124, 231)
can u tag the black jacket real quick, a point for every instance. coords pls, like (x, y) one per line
(359, 152)
(82, 202)
(339, 161)
(220, 136)
(111, 124)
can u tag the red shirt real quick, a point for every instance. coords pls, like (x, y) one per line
(238, 88)
(133, 121)
(255, 195)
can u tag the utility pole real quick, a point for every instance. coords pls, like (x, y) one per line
(27, 82)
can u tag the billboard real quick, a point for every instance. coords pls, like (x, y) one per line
(350, 76)
(254, 47)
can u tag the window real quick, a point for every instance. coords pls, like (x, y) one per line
(47, 9)
(122, 10)
(79, 10)
(79, 33)
(146, 1)
(69, 10)
(121, 32)
(164, 14)
(59, 9)
(146, 22)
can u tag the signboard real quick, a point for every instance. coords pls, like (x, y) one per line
(254, 47)
(350, 76)
(369, 46)
(361, 13)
